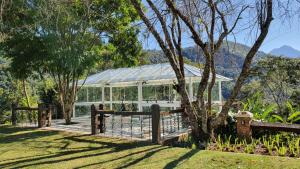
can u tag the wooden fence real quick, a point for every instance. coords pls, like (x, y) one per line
(44, 114)
(98, 117)
(246, 125)
(295, 128)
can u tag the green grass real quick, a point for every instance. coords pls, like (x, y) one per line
(30, 148)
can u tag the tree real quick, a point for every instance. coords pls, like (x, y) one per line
(208, 23)
(278, 79)
(66, 38)
(12, 90)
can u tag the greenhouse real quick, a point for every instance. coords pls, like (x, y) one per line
(137, 88)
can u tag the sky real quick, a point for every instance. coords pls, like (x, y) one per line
(282, 32)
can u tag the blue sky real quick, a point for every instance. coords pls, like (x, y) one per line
(282, 32)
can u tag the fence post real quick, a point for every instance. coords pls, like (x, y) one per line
(93, 119)
(243, 124)
(13, 114)
(155, 111)
(101, 119)
(41, 115)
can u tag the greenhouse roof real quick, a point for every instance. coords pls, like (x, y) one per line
(147, 73)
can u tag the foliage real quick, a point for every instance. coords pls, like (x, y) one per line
(11, 90)
(65, 40)
(293, 115)
(268, 112)
(186, 141)
(255, 104)
(282, 144)
(278, 79)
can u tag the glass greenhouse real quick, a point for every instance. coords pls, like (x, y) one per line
(138, 88)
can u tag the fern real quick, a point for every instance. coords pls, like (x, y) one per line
(267, 111)
(294, 117)
(281, 150)
(278, 118)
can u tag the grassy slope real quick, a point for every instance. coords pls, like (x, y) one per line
(27, 148)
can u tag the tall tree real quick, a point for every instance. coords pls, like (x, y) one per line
(208, 23)
(69, 36)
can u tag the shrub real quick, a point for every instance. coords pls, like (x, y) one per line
(281, 144)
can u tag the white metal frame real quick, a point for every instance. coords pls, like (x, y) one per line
(140, 101)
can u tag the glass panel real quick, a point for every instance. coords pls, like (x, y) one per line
(125, 93)
(149, 93)
(161, 92)
(117, 94)
(148, 109)
(195, 91)
(166, 108)
(95, 94)
(131, 93)
(215, 93)
(107, 94)
(106, 106)
(82, 111)
(128, 107)
(82, 95)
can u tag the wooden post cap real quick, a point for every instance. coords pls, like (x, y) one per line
(244, 114)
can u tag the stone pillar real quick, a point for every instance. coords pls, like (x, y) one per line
(155, 111)
(243, 124)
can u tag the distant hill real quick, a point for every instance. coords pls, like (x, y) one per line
(286, 51)
(229, 60)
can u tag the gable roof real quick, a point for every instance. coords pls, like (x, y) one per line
(154, 72)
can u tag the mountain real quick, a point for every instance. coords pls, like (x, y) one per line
(229, 60)
(286, 51)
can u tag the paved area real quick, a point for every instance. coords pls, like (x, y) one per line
(131, 127)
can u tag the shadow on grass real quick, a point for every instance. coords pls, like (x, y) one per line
(107, 141)
(187, 155)
(149, 152)
(147, 155)
(6, 129)
(95, 147)
(85, 152)
(24, 135)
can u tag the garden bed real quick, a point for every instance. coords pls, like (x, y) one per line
(274, 145)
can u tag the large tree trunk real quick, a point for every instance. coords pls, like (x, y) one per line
(68, 113)
(67, 108)
(67, 95)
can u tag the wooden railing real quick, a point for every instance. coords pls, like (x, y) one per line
(246, 125)
(295, 128)
(44, 114)
(98, 116)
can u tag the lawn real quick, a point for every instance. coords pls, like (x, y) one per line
(32, 148)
